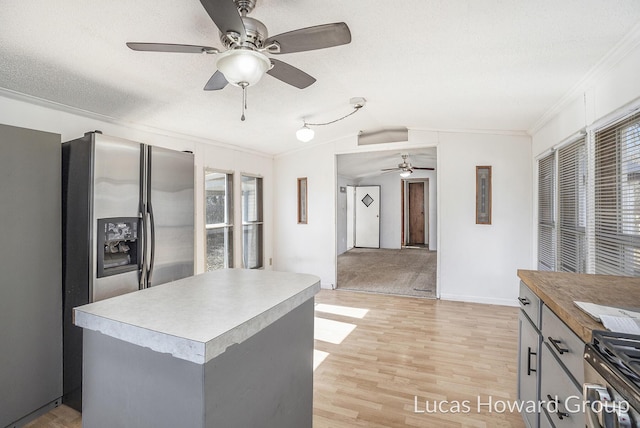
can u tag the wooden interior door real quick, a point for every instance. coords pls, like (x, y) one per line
(416, 213)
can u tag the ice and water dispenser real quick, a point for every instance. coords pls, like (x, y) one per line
(118, 245)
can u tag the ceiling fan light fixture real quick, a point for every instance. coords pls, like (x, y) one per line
(405, 173)
(305, 134)
(243, 67)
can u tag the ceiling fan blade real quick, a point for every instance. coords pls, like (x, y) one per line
(225, 15)
(425, 168)
(169, 47)
(290, 74)
(311, 38)
(390, 169)
(216, 82)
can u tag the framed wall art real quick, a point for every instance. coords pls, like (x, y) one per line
(483, 195)
(302, 200)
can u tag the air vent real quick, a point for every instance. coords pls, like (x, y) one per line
(383, 136)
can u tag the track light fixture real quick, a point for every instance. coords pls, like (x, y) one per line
(306, 134)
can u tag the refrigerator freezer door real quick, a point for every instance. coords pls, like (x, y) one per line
(170, 204)
(116, 178)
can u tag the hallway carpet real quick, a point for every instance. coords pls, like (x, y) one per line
(404, 272)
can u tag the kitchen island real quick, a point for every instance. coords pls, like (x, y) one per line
(229, 348)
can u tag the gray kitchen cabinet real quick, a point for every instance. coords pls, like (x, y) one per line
(30, 274)
(548, 346)
(559, 389)
(528, 354)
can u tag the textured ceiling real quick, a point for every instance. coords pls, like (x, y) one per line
(423, 64)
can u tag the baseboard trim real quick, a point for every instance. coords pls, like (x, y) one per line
(36, 413)
(479, 299)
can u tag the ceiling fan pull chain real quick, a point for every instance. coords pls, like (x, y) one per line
(244, 101)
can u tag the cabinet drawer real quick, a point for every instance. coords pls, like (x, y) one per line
(556, 385)
(564, 343)
(530, 304)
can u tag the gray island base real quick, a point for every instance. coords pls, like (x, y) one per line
(230, 348)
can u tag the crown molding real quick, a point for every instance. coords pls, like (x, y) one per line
(628, 44)
(41, 102)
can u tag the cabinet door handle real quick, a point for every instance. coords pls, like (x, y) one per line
(524, 301)
(556, 344)
(529, 354)
(556, 401)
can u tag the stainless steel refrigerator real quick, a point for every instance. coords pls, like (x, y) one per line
(128, 224)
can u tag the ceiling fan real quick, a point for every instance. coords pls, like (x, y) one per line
(246, 40)
(405, 167)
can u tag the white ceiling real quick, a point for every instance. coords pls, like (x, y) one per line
(423, 64)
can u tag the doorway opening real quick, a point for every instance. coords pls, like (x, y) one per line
(403, 260)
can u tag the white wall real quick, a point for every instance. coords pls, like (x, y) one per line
(306, 248)
(477, 263)
(37, 114)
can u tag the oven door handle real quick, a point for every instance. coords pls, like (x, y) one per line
(610, 414)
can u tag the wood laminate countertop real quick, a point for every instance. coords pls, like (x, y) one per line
(198, 318)
(558, 290)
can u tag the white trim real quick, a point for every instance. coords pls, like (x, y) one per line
(41, 102)
(565, 142)
(615, 55)
(615, 116)
(478, 299)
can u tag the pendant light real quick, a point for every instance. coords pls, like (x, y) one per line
(306, 134)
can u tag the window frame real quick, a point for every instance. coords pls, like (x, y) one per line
(257, 224)
(228, 225)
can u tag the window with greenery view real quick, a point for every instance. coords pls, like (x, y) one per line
(219, 219)
(252, 234)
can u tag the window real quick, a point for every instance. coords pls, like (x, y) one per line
(572, 207)
(219, 219)
(617, 198)
(252, 222)
(546, 213)
(595, 227)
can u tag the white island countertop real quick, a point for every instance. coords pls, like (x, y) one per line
(198, 318)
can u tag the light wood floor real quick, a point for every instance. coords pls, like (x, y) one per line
(401, 350)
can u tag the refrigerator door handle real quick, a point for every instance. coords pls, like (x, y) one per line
(152, 239)
(142, 277)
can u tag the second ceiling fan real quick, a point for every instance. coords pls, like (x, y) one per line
(406, 168)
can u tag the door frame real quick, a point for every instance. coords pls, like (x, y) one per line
(405, 209)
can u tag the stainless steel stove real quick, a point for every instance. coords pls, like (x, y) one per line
(612, 380)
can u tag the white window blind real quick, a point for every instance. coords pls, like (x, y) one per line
(572, 212)
(617, 198)
(546, 213)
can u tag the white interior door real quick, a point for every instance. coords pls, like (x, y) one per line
(367, 209)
